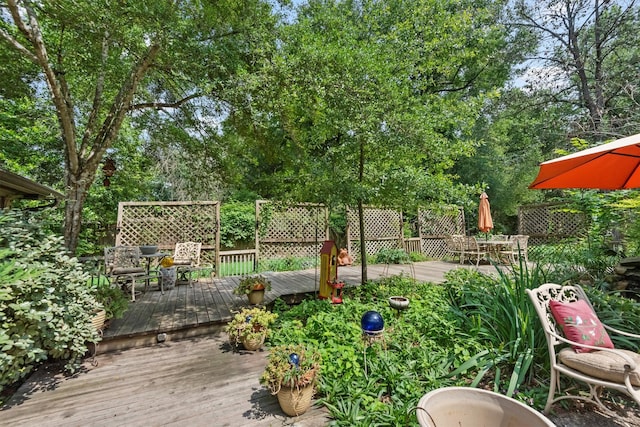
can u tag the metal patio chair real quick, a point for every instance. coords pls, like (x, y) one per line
(186, 259)
(596, 366)
(123, 268)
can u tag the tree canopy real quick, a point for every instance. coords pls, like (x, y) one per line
(396, 103)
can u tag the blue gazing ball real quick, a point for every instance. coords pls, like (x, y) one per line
(372, 322)
(294, 359)
(248, 319)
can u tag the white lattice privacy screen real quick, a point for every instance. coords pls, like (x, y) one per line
(166, 223)
(290, 231)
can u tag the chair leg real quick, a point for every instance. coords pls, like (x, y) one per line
(552, 391)
(133, 288)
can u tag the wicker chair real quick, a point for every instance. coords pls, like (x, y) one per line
(122, 267)
(601, 367)
(186, 259)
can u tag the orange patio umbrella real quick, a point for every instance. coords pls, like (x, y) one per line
(485, 223)
(612, 166)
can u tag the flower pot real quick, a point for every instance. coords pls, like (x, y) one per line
(253, 344)
(98, 319)
(466, 406)
(294, 401)
(256, 296)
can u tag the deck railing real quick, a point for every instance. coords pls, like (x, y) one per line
(412, 245)
(237, 263)
(243, 262)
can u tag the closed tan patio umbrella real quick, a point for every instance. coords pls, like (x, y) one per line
(485, 223)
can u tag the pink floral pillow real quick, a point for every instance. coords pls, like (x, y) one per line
(580, 324)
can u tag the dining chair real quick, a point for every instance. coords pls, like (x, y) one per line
(517, 249)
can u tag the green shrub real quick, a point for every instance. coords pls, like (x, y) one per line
(500, 314)
(392, 256)
(45, 303)
(112, 299)
(379, 382)
(237, 223)
(288, 263)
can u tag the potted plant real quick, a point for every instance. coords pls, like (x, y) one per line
(291, 373)
(254, 288)
(111, 300)
(250, 327)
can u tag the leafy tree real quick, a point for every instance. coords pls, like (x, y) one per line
(103, 62)
(365, 103)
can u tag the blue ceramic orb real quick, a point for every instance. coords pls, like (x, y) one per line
(248, 319)
(294, 359)
(372, 322)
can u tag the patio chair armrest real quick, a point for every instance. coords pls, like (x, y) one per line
(619, 332)
(629, 364)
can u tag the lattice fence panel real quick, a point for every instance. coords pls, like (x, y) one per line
(550, 222)
(434, 224)
(290, 231)
(382, 230)
(166, 223)
(379, 223)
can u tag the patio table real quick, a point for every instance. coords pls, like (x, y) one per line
(149, 258)
(493, 247)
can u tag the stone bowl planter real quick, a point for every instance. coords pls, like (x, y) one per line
(466, 406)
(399, 303)
(148, 249)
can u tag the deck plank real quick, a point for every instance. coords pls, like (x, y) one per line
(196, 381)
(211, 300)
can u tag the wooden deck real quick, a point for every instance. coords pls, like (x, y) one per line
(206, 307)
(185, 380)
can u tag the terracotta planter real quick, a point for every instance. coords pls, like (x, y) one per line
(295, 401)
(256, 296)
(253, 344)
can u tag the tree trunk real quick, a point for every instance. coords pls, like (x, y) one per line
(363, 249)
(77, 190)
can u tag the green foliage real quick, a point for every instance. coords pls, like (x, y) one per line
(288, 264)
(112, 299)
(417, 257)
(251, 283)
(392, 256)
(237, 223)
(576, 260)
(618, 312)
(45, 303)
(249, 324)
(379, 382)
(502, 317)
